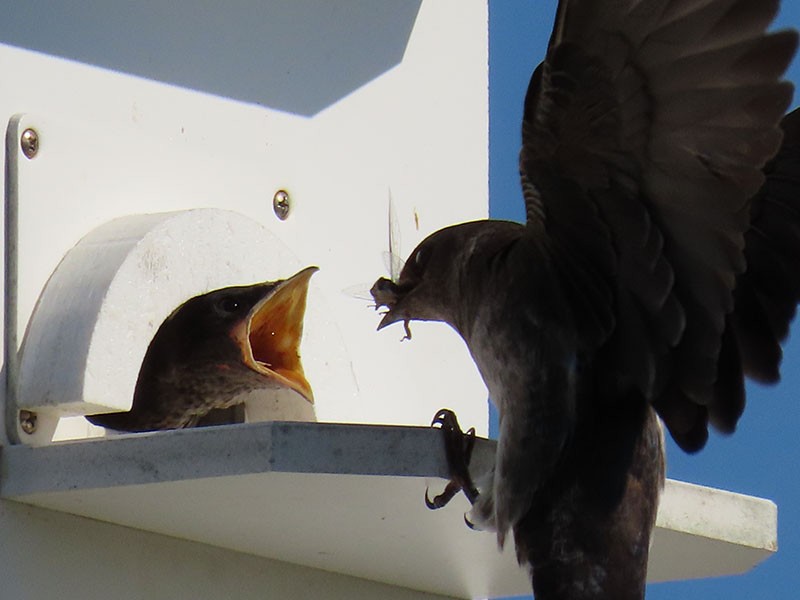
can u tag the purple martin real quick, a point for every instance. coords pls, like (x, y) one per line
(657, 268)
(213, 348)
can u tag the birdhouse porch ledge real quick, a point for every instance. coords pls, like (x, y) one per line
(346, 499)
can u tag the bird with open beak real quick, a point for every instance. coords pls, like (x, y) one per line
(657, 268)
(216, 347)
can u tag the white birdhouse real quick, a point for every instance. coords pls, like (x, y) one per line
(375, 123)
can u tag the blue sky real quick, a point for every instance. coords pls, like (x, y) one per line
(761, 458)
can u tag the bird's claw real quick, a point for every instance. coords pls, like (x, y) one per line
(458, 447)
(444, 498)
(470, 524)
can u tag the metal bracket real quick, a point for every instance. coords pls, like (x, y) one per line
(10, 341)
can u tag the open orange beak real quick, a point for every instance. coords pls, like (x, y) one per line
(273, 329)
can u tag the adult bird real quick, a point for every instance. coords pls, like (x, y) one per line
(656, 269)
(214, 348)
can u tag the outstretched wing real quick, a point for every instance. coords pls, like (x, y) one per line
(767, 294)
(644, 135)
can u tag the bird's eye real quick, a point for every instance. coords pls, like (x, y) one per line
(228, 305)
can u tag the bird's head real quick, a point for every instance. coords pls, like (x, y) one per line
(421, 290)
(444, 274)
(259, 326)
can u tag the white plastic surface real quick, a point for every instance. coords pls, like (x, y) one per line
(114, 145)
(58, 555)
(347, 499)
(101, 307)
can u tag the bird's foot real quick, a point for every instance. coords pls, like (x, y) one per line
(458, 447)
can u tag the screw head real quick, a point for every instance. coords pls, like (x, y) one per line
(30, 143)
(27, 421)
(281, 204)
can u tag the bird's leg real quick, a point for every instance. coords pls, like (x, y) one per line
(458, 448)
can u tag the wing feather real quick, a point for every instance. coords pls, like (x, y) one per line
(767, 294)
(647, 127)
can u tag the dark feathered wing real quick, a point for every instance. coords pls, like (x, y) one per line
(644, 137)
(767, 293)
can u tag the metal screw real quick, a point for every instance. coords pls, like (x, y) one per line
(30, 143)
(27, 421)
(281, 204)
